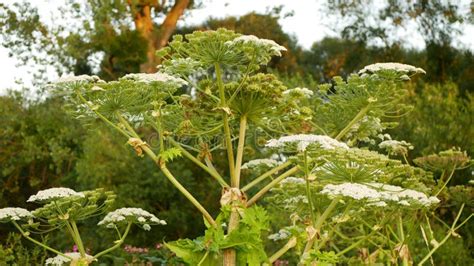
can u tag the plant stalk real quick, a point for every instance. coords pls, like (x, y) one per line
(240, 151)
(271, 185)
(356, 119)
(265, 175)
(25, 235)
(118, 242)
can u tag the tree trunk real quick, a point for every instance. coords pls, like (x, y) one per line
(156, 39)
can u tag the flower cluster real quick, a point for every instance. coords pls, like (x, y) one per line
(14, 214)
(299, 91)
(282, 234)
(270, 44)
(292, 180)
(130, 215)
(403, 68)
(378, 194)
(61, 260)
(80, 78)
(154, 77)
(396, 147)
(258, 162)
(303, 141)
(54, 193)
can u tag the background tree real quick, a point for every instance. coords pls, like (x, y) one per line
(109, 38)
(438, 22)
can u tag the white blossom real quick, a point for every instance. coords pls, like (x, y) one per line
(134, 215)
(257, 162)
(403, 68)
(282, 234)
(302, 141)
(270, 44)
(14, 214)
(300, 91)
(293, 201)
(54, 193)
(153, 77)
(378, 194)
(293, 180)
(61, 260)
(80, 78)
(395, 146)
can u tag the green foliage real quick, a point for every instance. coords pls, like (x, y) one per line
(246, 239)
(439, 121)
(14, 252)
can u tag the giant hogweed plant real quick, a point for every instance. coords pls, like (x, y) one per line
(63, 209)
(211, 99)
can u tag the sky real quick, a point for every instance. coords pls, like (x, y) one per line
(305, 24)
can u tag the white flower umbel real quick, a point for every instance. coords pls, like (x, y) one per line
(54, 193)
(130, 215)
(282, 234)
(270, 44)
(293, 180)
(302, 141)
(402, 68)
(378, 194)
(396, 147)
(260, 162)
(61, 260)
(81, 78)
(14, 214)
(154, 77)
(299, 91)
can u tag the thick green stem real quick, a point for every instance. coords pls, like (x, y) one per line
(79, 243)
(272, 184)
(445, 183)
(401, 235)
(356, 119)
(186, 193)
(317, 227)
(308, 190)
(195, 160)
(265, 175)
(169, 175)
(227, 133)
(25, 235)
(289, 245)
(118, 242)
(240, 151)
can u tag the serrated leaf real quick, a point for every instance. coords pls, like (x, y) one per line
(170, 154)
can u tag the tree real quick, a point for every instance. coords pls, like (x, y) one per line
(381, 23)
(109, 38)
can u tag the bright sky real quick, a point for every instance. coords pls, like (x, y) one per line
(306, 24)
